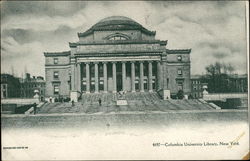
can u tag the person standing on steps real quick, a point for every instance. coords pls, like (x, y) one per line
(100, 102)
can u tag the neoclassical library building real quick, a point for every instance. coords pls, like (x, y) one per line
(117, 54)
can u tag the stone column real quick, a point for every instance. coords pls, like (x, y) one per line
(159, 75)
(133, 76)
(72, 77)
(78, 77)
(141, 77)
(150, 89)
(96, 78)
(87, 78)
(114, 77)
(105, 77)
(123, 75)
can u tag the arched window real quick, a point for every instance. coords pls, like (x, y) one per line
(117, 36)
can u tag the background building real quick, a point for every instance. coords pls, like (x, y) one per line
(197, 86)
(10, 86)
(30, 84)
(117, 54)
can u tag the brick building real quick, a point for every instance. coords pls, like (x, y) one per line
(197, 86)
(117, 54)
(30, 84)
(10, 86)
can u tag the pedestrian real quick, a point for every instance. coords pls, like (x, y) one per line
(72, 103)
(34, 108)
(100, 102)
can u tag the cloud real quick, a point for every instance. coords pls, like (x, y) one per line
(214, 30)
(21, 56)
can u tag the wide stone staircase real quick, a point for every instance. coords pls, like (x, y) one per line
(146, 102)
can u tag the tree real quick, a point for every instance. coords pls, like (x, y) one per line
(180, 94)
(217, 77)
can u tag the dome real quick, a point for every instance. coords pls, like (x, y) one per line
(116, 23)
(116, 20)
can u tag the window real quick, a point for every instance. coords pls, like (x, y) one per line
(179, 72)
(179, 58)
(56, 74)
(55, 60)
(118, 38)
(56, 89)
(180, 85)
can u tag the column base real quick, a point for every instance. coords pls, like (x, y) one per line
(105, 91)
(150, 90)
(141, 90)
(96, 91)
(87, 92)
(133, 91)
(114, 91)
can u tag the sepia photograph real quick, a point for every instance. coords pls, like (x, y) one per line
(124, 80)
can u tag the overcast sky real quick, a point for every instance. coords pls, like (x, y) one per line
(215, 31)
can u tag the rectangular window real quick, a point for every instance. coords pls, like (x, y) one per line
(56, 89)
(180, 85)
(55, 60)
(56, 74)
(179, 72)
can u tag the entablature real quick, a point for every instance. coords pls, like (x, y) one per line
(52, 54)
(178, 51)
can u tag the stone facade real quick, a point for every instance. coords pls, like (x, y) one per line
(117, 54)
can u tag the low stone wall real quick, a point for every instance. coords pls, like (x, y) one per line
(223, 96)
(19, 101)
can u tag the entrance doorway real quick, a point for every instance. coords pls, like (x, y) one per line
(119, 76)
(119, 82)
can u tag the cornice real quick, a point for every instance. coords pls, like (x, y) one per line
(119, 53)
(64, 53)
(115, 42)
(178, 51)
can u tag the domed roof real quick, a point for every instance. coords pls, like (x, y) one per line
(113, 18)
(116, 23)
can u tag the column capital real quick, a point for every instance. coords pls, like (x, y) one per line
(150, 61)
(87, 62)
(114, 62)
(96, 62)
(105, 62)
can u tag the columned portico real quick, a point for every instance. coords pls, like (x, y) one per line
(118, 77)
